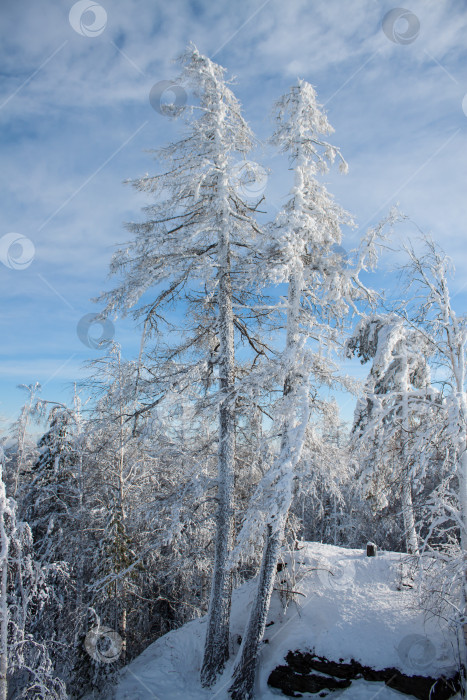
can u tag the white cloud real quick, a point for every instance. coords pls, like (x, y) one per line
(392, 107)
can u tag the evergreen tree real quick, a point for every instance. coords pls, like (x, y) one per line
(396, 403)
(18, 467)
(191, 248)
(26, 669)
(321, 291)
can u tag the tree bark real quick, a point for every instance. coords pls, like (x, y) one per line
(408, 516)
(216, 651)
(462, 406)
(407, 503)
(244, 674)
(245, 670)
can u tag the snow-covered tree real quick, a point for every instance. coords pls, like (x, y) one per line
(151, 486)
(393, 412)
(446, 331)
(321, 291)
(6, 513)
(190, 249)
(52, 493)
(26, 669)
(120, 479)
(53, 504)
(19, 466)
(325, 474)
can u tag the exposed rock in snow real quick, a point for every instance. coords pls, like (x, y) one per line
(348, 608)
(307, 672)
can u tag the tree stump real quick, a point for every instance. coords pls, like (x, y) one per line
(371, 549)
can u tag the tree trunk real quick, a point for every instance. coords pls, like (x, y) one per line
(4, 628)
(216, 651)
(407, 504)
(463, 509)
(4, 553)
(408, 516)
(245, 671)
(80, 624)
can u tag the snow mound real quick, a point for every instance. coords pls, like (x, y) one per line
(346, 606)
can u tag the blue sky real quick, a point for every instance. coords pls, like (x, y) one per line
(76, 122)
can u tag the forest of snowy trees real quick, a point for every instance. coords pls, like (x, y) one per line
(173, 477)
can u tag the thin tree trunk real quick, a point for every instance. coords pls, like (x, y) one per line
(4, 625)
(245, 670)
(407, 503)
(80, 622)
(216, 651)
(408, 516)
(242, 687)
(458, 364)
(4, 553)
(334, 515)
(25, 414)
(463, 509)
(121, 601)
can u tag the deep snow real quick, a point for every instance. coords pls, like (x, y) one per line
(350, 608)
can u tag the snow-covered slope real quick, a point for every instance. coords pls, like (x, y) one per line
(351, 607)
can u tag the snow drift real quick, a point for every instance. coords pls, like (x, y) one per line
(344, 606)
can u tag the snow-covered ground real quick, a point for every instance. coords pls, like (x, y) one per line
(351, 607)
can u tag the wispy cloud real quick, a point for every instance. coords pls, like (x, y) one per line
(73, 100)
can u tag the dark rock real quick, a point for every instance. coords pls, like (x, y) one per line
(298, 677)
(303, 662)
(423, 687)
(290, 682)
